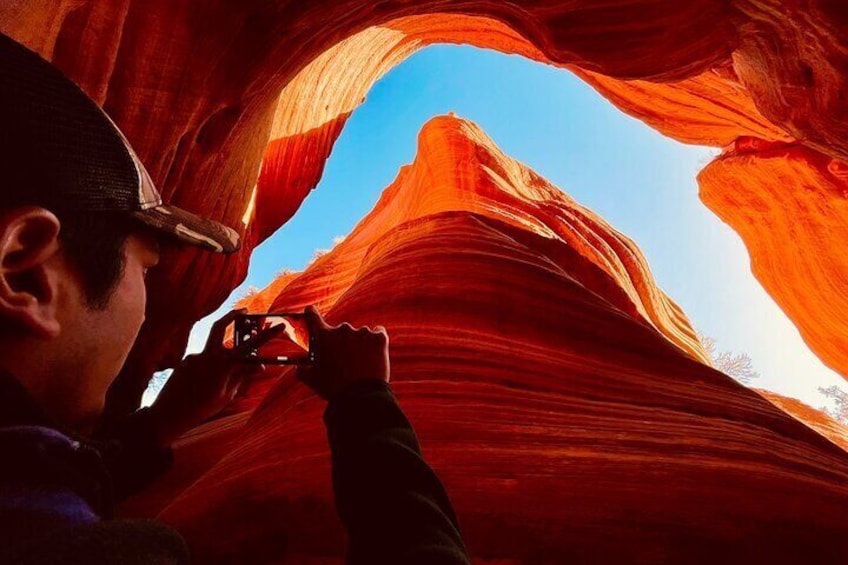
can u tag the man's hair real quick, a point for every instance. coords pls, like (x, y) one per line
(94, 244)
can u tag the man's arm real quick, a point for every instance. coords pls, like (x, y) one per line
(198, 389)
(393, 505)
(134, 457)
(391, 502)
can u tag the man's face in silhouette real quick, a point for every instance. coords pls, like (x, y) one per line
(66, 351)
(101, 338)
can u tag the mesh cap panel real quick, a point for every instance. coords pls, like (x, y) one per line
(59, 150)
(57, 147)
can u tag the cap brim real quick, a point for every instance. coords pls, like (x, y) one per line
(190, 229)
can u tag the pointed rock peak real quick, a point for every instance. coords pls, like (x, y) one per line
(450, 127)
(453, 151)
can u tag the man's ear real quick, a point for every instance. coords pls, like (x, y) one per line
(29, 239)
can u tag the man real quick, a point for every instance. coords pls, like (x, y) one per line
(80, 226)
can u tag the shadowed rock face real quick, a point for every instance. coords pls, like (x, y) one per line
(558, 392)
(235, 106)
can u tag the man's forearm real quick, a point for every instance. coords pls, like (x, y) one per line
(135, 458)
(393, 505)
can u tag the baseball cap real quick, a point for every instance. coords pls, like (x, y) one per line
(60, 150)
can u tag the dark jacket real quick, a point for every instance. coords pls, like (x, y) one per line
(58, 491)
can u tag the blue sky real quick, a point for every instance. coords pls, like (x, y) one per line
(641, 182)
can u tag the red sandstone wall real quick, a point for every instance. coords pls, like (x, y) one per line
(206, 92)
(556, 390)
(790, 205)
(816, 419)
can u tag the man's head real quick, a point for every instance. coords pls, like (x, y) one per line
(79, 224)
(72, 301)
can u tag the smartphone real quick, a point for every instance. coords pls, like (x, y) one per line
(274, 339)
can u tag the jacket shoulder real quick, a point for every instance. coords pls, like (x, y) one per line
(129, 542)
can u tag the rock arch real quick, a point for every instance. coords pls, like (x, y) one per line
(197, 90)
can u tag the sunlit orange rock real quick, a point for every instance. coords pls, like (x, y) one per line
(463, 171)
(561, 396)
(816, 419)
(234, 109)
(790, 205)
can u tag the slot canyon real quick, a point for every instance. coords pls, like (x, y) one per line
(562, 396)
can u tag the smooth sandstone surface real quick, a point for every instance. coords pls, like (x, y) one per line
(235, 106)
(558, 392)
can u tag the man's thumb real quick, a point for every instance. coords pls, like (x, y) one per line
(314, 318)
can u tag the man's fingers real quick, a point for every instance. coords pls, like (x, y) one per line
(241, 375)
(247, 370)
(219, 329)
(234, 388)
(314, 320)
(305, 373)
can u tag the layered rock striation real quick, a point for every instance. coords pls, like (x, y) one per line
(561, 396)
(820, 421)
(235, 107)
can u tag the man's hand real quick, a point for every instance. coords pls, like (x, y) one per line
(344, 355)
(201, 386)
